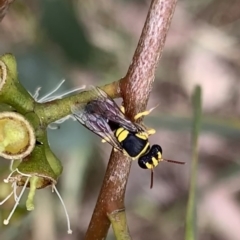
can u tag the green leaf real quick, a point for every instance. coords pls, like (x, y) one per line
(190, 229)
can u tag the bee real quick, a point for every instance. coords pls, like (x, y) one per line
(105, 118)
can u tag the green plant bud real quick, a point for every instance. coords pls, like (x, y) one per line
(35, 172)
(11, 91)
(17, 138)
(51, 158)
(36, 164)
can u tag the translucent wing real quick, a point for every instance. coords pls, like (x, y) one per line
(93, 116)
(102, 116)
(107, 108)
(95, 123)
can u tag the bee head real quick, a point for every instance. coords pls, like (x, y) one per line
(151, 158)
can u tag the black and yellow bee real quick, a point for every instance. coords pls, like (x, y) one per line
(105, 118)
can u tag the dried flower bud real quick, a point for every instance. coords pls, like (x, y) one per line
(34, 172)
(17, 138)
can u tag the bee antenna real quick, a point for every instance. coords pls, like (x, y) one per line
(173, 161)
(151, 184)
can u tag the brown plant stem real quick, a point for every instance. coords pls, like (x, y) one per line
(4, 5)
(111, 196)
(136, 85)
(135, 88)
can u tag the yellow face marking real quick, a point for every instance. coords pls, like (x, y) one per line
(159, 156)
(155, 161)
(149, 166)
(122, 134)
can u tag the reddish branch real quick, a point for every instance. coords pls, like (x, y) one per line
(137, 84)
(4, 4)
(135, 88)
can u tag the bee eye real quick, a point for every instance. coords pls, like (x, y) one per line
(142, 161)
(157, 148)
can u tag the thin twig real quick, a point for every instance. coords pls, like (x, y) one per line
(135, 89)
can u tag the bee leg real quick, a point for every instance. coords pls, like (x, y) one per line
(155, 161)
(122, 108)
(105, 140)
(151, 131)
(141, 114)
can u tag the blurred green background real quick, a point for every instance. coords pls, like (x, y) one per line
(92, 43)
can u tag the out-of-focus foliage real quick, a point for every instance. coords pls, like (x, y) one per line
(191, 213)
(92, 43)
